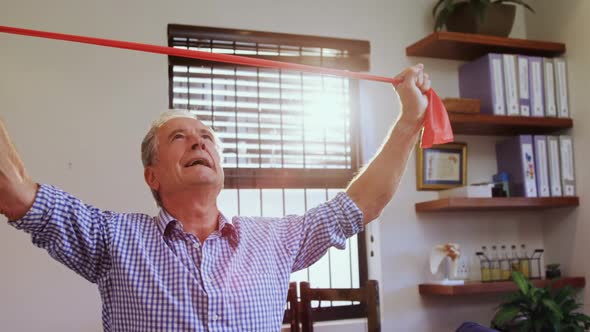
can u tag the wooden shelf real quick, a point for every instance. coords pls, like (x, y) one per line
(485, 124)
(474, 288)
(467, 47)
(496, 203)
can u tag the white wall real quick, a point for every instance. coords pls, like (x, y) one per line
(77, 114)
(566, 238)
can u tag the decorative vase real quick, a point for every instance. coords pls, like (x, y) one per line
(498, 20)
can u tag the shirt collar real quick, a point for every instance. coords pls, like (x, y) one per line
(226, 228)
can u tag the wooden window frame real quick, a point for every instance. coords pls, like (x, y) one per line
(248, 178)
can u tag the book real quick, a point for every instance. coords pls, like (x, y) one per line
(515, 156)
(483, 79)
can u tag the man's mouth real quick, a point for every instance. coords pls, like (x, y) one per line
(197, 162)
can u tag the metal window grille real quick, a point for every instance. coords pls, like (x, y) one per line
(290, 139)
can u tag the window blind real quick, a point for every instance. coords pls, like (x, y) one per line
(297, 127)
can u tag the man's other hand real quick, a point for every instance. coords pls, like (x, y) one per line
(17, 189)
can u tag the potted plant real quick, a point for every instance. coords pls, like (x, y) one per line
(488, 17)
(552, 271)
(540, 309)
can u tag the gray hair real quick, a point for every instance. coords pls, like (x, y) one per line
(149, 145)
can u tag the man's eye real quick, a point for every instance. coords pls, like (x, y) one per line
(207, 136)
(178, 136)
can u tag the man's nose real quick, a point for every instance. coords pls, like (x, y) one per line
(198, 143)
(198, 146)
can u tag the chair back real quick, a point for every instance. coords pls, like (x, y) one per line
(292, 312)
(367, 295)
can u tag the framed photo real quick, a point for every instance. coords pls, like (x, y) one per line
(441, 167)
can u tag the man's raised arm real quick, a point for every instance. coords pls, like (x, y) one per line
(375, 185)
(17, 189)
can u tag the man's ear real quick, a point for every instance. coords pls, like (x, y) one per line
(150, 178)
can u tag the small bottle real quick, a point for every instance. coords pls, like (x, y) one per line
(485, 265)
(514, 261)
(495, 265)
(525, 262)
(504, 263)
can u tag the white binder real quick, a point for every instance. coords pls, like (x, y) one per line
(548, 74)
(536, 86)
(568, 181)
(498, 82)
(561, 90)
(524, 91)
(541, 166)
(510, 84)
(554, 165)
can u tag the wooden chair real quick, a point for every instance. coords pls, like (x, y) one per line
(368, 296)
(292, 313)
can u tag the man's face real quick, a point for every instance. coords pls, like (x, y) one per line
(186, 157)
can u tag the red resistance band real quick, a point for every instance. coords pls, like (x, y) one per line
(437, 128)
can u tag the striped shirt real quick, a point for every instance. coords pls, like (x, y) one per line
(153, 276)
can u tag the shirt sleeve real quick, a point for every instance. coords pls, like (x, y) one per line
(72, 232)
(330, 224)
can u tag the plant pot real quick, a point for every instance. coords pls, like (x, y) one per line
(497, 20)
(552, 274)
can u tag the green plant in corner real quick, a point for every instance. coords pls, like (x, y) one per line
(540, 309)
(444, 8)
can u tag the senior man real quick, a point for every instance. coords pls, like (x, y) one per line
(190, 268)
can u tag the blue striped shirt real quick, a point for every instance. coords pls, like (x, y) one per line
(153, 276)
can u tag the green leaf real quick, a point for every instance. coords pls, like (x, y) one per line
(581, 317)
(479, 8)
(514, 298)
(436, 7)
(553, 307)
(525, 326)
(536, 294)
(441, 19)
(568, 306)
(505, 315)
(564, 294)
(449, 5)
(521, 282)
(518, 2)
(556, 325)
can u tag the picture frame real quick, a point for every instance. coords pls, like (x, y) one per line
(441, 167)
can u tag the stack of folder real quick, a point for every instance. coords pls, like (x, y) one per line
(517, 85)
(538, 166)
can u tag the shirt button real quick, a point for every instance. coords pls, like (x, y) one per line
(196, 246)
(215, 317)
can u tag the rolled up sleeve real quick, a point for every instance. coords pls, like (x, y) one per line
(308, 237)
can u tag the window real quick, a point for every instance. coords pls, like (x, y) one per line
(290, 139)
